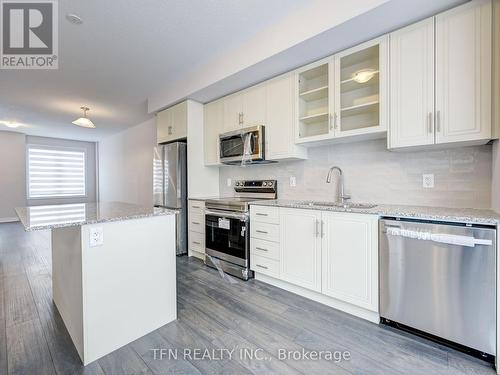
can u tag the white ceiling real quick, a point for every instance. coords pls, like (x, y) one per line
(129, 50)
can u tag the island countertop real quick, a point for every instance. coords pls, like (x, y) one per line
(66, 215)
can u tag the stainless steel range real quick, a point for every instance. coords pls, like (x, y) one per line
(227, 226)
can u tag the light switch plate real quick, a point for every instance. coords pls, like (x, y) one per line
(428, 181)
(293, 181)
(96, 237)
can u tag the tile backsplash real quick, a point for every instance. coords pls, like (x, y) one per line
(373, 174)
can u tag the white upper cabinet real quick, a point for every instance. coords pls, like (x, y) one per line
(350, 258)
(412, 85)
(171, 123)
(443, 97)
(254, 106)
(360, 98)
(279, 125)
(213, 125)
(313, 98)
(463, 73)
(233, 112)
(300, 240)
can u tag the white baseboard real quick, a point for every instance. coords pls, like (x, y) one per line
(360, 312)
(8, 219)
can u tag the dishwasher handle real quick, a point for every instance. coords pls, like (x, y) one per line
(449, 239)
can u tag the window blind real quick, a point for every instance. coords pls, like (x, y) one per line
(55, 172)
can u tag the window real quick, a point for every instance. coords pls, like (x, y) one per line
(55, 172)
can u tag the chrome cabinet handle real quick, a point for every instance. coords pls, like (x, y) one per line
(260, 214)
(264, 267)
(170, 130)
(317, 228)
(195, 206)
(322, 228)
(438, 121)
(196, 243)
(195, 223)
(429, 122)
(260, 248)
(261, 231)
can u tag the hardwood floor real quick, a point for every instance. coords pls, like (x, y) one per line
(213, 314)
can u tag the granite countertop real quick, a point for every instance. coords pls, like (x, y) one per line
(459, 215)
(66, 215)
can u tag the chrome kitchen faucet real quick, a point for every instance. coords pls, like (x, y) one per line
(341, 198)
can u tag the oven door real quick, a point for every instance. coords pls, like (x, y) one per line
(232, 145)
(227, 236)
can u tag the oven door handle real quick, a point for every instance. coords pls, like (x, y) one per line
(229, 214)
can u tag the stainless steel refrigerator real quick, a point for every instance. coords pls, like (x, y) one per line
(170, 185)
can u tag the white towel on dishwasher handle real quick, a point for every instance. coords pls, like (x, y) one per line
(451, 239)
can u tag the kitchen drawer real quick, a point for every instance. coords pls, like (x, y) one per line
(265, 231)
(197, 241)
(196, 206)
(265, 214)
(265, 266)
(196, 222)
(266, 249)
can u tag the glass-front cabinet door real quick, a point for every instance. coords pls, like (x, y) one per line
(313, 106)
(361, 89)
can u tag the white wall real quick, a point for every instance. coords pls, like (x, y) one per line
(12, 174)
(374, 174)
(126, 165)
(202, 181)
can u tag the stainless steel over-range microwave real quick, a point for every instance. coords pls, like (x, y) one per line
(243, 145)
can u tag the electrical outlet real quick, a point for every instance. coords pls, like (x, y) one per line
(428, 181)
(229, 182)
(96, 237)
(293, 181)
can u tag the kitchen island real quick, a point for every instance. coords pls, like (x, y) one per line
(113, 270)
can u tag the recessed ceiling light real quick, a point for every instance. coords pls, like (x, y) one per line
(84, 121)
(11, 124)
(74, 19)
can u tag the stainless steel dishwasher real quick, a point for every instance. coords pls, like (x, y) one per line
(439, 278)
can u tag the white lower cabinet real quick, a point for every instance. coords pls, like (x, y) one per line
(330, 257)
(196, 228)
(301, 247)
(350, 258)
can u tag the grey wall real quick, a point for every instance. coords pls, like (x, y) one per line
(126, 165)
(463, 176)
(90, 165)
(12, 174)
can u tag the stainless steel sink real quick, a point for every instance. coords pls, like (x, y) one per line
(347, 205)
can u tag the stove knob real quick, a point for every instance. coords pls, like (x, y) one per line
(237, 183)
(264, 183)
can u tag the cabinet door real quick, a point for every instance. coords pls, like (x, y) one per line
(412, 85)
(179, 120)
(361, 75)
(279, 125)
(301, 247)
(349, 258)
(213, 125)
(233, 110)
(463, 73)
(254, 106)
(164, 128)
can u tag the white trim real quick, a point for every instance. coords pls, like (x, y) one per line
(9, 219)
(318, 297)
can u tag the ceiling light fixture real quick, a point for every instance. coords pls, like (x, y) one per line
(364, 75)
(84, 121)
(74, 19)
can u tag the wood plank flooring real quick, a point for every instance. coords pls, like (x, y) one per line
(213, 314)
